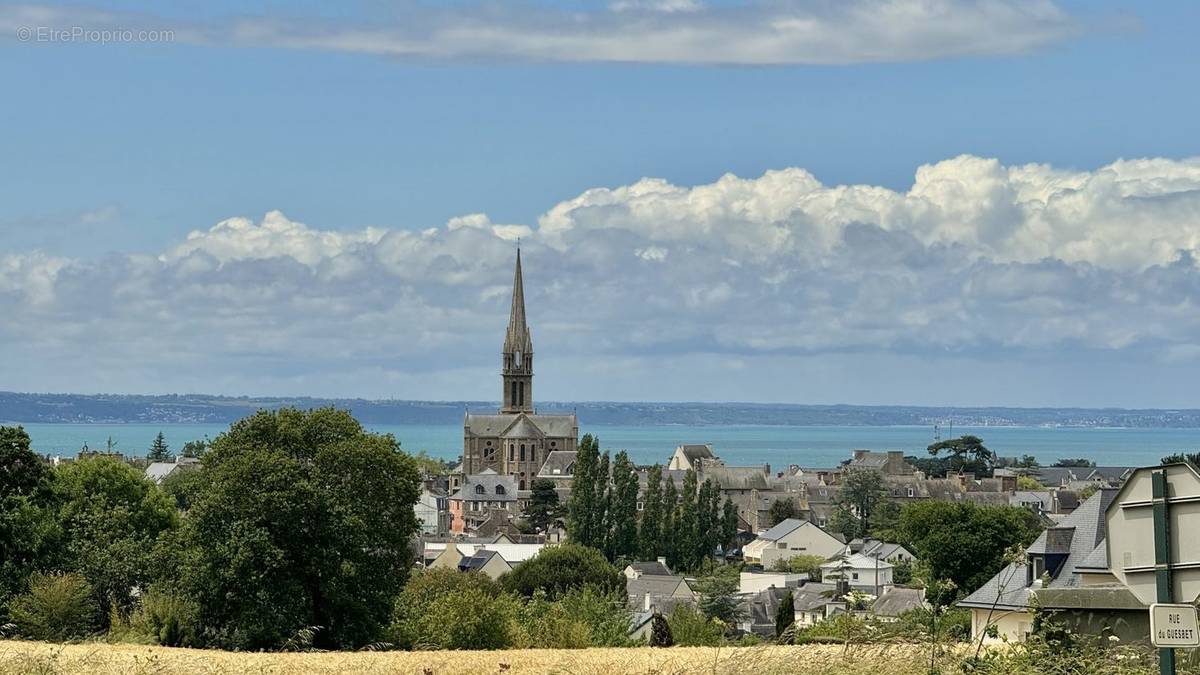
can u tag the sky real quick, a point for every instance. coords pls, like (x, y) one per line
(992, 202)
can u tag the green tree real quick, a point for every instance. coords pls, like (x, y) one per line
(729, 526)
(183, 485)
(650, 530)
(1192, 458)
(803, 563)
(111, 517)
(582, 506)
(782, 509)
(623, 509)
(862, 490)
(690, 628)
(688, 524)
(966, 453)
(29, 533)
(669, 544)
(719, 596)
(557, 570)
(660, 631)
(57, 607)
(1074, 463)
(962, 542)
(1029, 483)
(543, 506)
(785, 616)
(603, 500)
(159, 450)
(304, 519)
(431, 466)
(194, 449)
(446, 609)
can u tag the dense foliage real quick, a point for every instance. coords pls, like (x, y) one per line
(558, 570)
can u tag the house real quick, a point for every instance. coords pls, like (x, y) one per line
(1059, 559)
(658, 592)
(689, 457)
(158, 471)
(883, 550)
(890, 463)
(486, 562)
(433, 513)
(896, 601)
(860, 572)
(791, 538)
(481, 494)
(760, 609)
(657, 568)
(813, 603)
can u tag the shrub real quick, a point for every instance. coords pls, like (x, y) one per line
(444, 608)
(660, 632)
(168, 619)
(690, 628)
(57, 607)
(557, 570)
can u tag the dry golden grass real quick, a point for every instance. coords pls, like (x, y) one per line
(105, 659)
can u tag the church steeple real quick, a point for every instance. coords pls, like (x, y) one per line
(518, 352)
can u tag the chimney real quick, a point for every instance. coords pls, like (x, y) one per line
(646, 603)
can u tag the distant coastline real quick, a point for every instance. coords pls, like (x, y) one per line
(205, 409)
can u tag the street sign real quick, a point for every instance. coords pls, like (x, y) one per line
(1174, 625)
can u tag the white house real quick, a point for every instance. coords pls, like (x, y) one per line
(789, 539)
(158, 471)
(433, 513)
(861, 572)
(690, 456)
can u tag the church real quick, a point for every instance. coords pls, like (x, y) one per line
(515, 441)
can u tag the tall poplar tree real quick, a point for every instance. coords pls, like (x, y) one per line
(603, 515)
(623, 508)
(650, 530)
(582, 505)
(729, 526)
(689, 522)
(669, 543)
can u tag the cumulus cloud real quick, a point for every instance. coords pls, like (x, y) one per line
(976, 261)
(757, 32)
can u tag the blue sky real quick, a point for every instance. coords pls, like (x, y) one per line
(116, 152)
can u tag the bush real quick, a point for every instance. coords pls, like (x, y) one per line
(166, 618)
(434, 611)
(690, 628)
(558, 570)
(56, 608)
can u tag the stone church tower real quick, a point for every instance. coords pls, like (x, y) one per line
(516, 441)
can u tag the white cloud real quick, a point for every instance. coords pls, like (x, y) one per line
(757, 32)
(977, 260)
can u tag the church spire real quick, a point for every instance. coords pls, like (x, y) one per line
(517, 338)
(518, 352)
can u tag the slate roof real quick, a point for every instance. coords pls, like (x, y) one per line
(1077, 535)
(655, 585)
(898, 600)
(782, 529)
(489, 482)
(477, 561)
(811, 597)
(493, 426)
(869, 460)
(738, 477)
(559, 463)
(652, 568)
(762, 606)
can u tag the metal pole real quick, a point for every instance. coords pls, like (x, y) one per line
(1162, 560)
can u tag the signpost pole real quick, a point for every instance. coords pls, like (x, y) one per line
(1162, 561)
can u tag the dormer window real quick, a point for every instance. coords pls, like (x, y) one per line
(500, 490)
(479, 490)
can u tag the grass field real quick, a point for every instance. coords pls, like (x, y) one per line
(105, 659)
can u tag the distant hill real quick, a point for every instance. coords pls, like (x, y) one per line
(189, 408)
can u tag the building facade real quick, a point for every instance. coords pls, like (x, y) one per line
(516, 440)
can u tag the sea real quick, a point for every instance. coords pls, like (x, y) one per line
(779, 446)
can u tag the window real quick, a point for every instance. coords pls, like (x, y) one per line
(521, 485)
(854, 576)
(910, 492)
(781, 545)
(489, 455)
(500, 490)
(554, 444)
(512, 453)
(479, 489)
(522, 452)
(641, 506)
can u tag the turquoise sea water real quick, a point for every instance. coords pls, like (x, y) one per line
(808, 446)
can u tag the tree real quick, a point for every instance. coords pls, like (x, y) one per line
(57, 607)
(557, 570)
(962, 542)
(432, 599)
(965, 453)
(785, 616)
(159, 450)
(543, 506)
(183, 486)
(623, 509)
(582, 523)
(111, 517)
(688, 523)
(782, 509)
(1192, 458)
(650, 529)
(29, 534)
(603, 501)
(729, 526)
(690, 628)
(1074, 463)
(669, 545)
(804, 563)
(862, 491)
(660, 631)
(719, 596)
(1029, 483)
(194, 449)
(304, 519)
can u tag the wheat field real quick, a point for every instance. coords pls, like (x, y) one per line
(122, 659)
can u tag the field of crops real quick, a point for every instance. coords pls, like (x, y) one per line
(106, 659)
